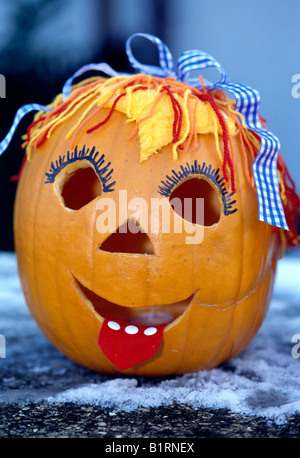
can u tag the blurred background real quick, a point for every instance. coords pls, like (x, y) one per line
(43, 42)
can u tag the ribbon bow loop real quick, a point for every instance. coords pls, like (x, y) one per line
(187, 62)
(166, 62)
(197, 60)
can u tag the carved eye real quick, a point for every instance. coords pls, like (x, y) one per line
(203, 189)
(80, 176)
(194, 195)
(77, 185)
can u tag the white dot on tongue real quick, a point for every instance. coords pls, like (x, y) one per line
(131, 329)
(150, 331)
(113, 325)
(152, 319)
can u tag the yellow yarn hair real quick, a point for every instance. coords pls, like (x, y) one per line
(163, 111)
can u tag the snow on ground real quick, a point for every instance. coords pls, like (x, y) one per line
(264, 380)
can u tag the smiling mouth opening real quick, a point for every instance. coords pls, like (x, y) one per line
(131, 335)
(148, 316)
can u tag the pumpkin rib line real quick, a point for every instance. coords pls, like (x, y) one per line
(241, 273)
(232, 303)
(37, 289)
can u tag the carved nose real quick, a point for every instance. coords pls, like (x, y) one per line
(128, 238)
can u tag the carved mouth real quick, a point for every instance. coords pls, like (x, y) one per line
(148, 316)
(131, 335)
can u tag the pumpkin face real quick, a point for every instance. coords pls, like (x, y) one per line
(139, 299)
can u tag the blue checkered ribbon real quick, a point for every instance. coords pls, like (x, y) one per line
(18, 117)
(102, 67)
(247, 104)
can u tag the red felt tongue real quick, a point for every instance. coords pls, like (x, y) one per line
(126, 344)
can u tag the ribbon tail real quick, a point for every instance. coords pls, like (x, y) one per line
(24, 110)
(266, 180)
(270, 208)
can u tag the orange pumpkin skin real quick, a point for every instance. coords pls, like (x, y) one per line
(231, 272)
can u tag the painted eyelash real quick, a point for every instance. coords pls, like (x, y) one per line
(196, 169)
(104, 172)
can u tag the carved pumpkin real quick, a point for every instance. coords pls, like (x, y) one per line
(120, 266)
(133, 299)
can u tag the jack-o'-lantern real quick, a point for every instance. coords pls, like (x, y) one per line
(116, 272)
